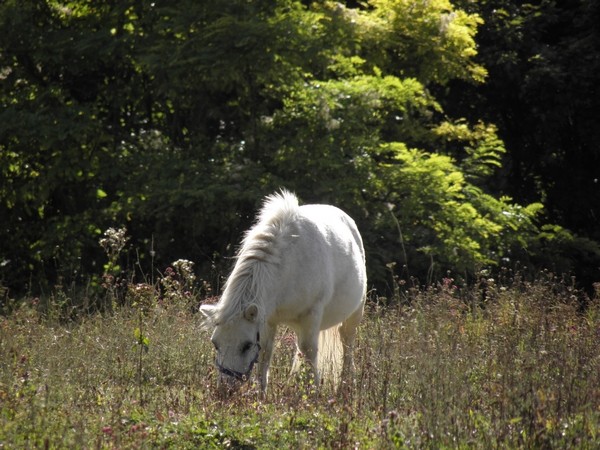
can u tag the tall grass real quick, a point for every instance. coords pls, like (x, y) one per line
(514, 366)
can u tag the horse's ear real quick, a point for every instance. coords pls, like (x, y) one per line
(207, 312)
(251, 313)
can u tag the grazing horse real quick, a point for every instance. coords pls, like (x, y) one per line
(301, 266)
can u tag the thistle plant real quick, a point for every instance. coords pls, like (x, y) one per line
(178, 280)
(113, 242)
(185, 269)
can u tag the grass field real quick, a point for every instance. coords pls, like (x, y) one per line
(513, 365)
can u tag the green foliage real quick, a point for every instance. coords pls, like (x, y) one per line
(483, 149)
(432, 41)
(543, 65)
(173, 120)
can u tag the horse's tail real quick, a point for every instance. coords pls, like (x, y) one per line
(330, 356)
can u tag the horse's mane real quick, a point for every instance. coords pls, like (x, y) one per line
(258, 257)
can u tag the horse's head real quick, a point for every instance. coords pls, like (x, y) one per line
(237, 343)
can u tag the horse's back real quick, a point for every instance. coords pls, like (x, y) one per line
(338, 230)
(327, 260)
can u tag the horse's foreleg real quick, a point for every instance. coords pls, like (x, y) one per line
(264, 360)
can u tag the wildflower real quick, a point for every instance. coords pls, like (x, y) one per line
(185, 269)
(114, 240)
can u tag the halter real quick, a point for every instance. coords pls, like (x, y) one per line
(240, 376)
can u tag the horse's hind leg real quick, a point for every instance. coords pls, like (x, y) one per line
(297, 362)
(308, 343)
(348, 331)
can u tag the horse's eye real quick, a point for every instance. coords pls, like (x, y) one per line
(247, 346)
(214, 343)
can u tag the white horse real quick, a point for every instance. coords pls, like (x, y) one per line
(302, 266)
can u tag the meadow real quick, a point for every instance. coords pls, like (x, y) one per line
(504, 364)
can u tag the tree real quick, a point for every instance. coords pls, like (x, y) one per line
(175, 118)
(543, 61)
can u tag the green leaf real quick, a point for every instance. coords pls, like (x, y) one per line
(141, 339)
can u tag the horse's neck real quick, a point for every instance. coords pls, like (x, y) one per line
(246, 290)
(263, 286)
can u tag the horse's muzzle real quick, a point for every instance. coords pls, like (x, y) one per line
(234, 374)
